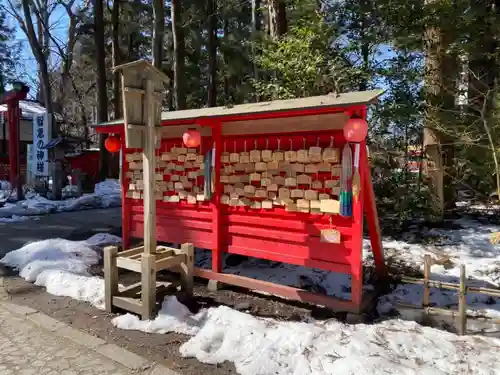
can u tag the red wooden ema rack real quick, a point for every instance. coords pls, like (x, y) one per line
(242, 221)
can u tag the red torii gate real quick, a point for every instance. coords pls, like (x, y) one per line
(12, 98)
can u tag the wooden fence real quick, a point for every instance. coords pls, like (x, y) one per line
(462, 289)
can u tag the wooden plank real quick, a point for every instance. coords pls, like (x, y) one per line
(135, 290)
(462, 303)
(148, 280)
(129, 264)
(300, 104)
(187, 267)
(129, 252)
(129, 304)
(427, 310)
(168, 262)
(284, 291)
(487, 291)
(139, 91)
(326, 122)
(132, 290)
(110, 276)
(164, 254)
(450, 286)
(149, 165)
(166, 249)
(432, 283)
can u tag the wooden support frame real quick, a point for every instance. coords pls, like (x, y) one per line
(141, 298)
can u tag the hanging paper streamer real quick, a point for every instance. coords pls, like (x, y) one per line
(356, 180)
(345, 180)
(207, 188)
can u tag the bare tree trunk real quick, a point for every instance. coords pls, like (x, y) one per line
(40, 57)
(116, 57)
(365, 45)
(102, 97)
(179, 52)
(212, 52)
(277, 18)
(158, 32)
(440, 82)
(227, 93)
(255, 34)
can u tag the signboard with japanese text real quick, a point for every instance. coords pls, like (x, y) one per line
(41, 136)
(29, 163)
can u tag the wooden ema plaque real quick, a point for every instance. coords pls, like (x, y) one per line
(330, 236)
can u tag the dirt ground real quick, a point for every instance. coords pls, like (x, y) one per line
(162, 348)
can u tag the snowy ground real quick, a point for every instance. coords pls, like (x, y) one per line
(266, 346)
(106, 194)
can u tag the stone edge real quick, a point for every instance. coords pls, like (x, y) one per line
(124, 357)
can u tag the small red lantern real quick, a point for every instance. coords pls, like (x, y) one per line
(112, 144)
(191, 138)
(355, 130)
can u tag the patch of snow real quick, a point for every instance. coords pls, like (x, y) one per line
(16, 219)
(470, 246)
(268, 347)
(173, 317)
(62, 266)
(106, 194)
(68, 284)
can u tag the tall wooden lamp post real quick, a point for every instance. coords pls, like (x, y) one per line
(142, 88)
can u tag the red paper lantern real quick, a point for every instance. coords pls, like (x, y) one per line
(355, 130)
(191, 138)
(112, 144)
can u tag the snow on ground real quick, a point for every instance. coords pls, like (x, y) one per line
(469, 245)
(266, 346)
(62, 266)
(106, 194)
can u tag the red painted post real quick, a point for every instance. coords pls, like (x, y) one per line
(215, 203)
(125, 202)
(373, 223)
(13, 131)
(357, 239)
(12, 98)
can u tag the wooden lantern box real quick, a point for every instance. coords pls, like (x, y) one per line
(247, 213)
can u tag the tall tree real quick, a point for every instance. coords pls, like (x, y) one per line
(277, 18)
(440, 88)
(102, 94)
(179, 54)
(158, 32)
(37, 41)
(116, 57)
(256, 27)
(212, 52)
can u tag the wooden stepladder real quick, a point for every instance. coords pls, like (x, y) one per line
(142, 90)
